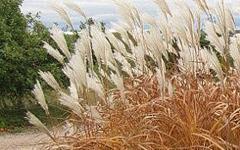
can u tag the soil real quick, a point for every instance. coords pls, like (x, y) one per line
(22, 141)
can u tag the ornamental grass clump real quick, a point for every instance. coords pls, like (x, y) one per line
(148, 89)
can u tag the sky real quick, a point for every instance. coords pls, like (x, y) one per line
(102, 10)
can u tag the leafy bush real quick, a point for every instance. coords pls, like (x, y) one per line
(13, 119)
(21, 53)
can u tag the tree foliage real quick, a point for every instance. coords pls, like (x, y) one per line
(21, 52)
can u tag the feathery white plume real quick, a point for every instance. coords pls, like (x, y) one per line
(104, 74)
(53, 52)
(123, 29)
(62, 13)
(70, 4)
(149, 19)
(50, 80)
(160, 73)
(95, 85)
(72, 103)
(39, 95)
(129, 13)
(117, 44)
(156, 44)
(102, 48)
(161, 80)
(73, 90)
(202, 5)
(83, 44)
(126, 66)
(118, 81)
(235, 51)
(58, 36)
(213, 63)
(36, 122)
(162, 4)
(75, 70)
(170, 89)
(139, 54)
(212, 36)
(189, 60)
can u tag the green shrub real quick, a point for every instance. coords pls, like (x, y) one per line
(21, 52)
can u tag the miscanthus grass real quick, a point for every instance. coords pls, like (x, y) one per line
(154, 89)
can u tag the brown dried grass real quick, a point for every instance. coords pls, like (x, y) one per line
(200, 115)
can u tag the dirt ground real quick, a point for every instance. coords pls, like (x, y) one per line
(22, 141)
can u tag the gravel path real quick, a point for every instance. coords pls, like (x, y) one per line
(22, 141)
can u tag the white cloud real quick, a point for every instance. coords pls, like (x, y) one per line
(97, 9)
(102, 9)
